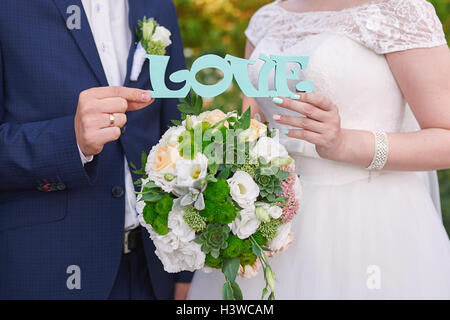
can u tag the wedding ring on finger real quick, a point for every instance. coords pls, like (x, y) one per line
(112, 120)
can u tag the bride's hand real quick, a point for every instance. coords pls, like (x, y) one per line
(320, 126)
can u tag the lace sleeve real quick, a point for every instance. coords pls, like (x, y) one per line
(260, 23)
(397, 25)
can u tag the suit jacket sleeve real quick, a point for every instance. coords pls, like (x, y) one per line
(39, 152)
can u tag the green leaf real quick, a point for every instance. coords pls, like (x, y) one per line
(143, 160)
(264, 293)
(132, 165)
(227, 291)
(225, 173)
(237, 293)
(150, 185)
(176, 122)
(256, 249)
(230, 268)
(152, 197)
(244, 121)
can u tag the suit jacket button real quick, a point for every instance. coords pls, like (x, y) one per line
(117, 192)
(61, 186)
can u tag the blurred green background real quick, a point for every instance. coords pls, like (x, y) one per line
(217, 26)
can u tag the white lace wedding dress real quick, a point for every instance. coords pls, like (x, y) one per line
(359, 235)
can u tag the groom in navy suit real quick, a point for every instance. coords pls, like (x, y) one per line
(67, 213)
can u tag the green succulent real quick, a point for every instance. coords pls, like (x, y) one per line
(234, 248)
(214, 238)
(268, 179)
(194, 219)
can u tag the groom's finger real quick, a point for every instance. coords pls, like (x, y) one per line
(129, 94)
(107, 135)
(120, 119)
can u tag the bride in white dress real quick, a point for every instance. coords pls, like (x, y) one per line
(378, 67)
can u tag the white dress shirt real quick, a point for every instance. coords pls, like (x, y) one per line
(108, 20)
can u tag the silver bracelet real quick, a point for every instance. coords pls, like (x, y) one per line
(381, 151)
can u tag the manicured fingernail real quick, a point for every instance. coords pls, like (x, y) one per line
(277, 100)
(145, 96)
(295, 96)
(276, 117)
(285, 131)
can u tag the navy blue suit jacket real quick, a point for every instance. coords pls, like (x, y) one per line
(54, 212)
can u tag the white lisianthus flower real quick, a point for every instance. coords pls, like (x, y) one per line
(177, 224)
(162, 34)
(189, 173)
(243, 189)
(269, 149)
(247, 224)
(167, 243)
(282, 236)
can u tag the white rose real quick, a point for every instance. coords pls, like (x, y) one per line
(281, 238)
(167, 243)
(189, 173)
(162, 34)
(269, 149)
(243, 189)
(177, 224)
(247, 224)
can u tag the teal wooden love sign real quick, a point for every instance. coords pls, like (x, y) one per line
(231, 67)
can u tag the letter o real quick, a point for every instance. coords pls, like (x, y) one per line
(216, 62)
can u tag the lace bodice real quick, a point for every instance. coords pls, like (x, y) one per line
(346, 59)
(382, 26)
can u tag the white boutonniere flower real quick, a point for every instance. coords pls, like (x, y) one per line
(152, 39)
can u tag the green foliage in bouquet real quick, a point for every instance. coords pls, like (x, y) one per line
(269, 178)
(156, 214)
(194, 219)
(235, 247)
(214, 238)
(219, 206)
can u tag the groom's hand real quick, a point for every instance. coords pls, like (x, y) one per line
(93, 127)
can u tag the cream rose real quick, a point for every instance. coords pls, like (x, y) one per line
(165, 157)
(243, 189)
(256, 130)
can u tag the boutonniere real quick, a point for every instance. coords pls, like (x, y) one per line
(152, 39)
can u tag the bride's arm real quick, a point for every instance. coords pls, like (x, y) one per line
(246, 101)
(422, 75)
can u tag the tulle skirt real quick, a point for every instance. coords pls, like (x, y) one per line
(380, 237)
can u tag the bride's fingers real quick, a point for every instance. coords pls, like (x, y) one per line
(310, 136)
(318, 100)
(300, 122)
(306, 109)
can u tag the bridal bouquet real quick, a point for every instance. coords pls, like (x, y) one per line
(218, 192)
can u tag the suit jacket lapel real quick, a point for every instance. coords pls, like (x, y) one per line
(137, 12)
(84, 38)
